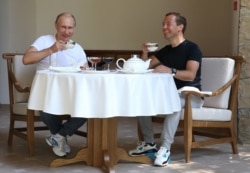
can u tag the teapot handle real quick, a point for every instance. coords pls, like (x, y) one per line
(117, 63)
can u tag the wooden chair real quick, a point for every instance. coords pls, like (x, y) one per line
(20, 78)
(216, 119)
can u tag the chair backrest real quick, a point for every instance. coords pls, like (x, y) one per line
(216, 72)
(24, 75)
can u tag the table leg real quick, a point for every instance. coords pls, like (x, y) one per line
(111, 152)
(80, 156)
(123, 155)
(102, 150)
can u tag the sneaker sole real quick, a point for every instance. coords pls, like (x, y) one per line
(59, 154)
(143, 153)
(163, 164)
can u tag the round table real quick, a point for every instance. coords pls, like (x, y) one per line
(101, 97)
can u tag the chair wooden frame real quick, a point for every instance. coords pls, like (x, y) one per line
(26, 133)
(194, 127)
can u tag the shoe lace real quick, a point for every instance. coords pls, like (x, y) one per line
(162, 150)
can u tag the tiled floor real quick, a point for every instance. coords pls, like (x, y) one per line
(217, 159)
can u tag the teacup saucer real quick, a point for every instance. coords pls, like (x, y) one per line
(136, 72)
(96, 71)
(65, 69)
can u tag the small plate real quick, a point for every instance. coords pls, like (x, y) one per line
(152, 49)
(96, 71)
(137, 72)
(65, 69)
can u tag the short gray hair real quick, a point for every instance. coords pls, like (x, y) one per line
(65, 14)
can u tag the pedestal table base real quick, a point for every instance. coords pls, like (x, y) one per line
(101, 150)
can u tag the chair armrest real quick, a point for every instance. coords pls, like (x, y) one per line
(16, 84)
(25, 89)
(213, 93)
(12, 78)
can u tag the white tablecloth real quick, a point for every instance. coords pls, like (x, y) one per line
(104, 95)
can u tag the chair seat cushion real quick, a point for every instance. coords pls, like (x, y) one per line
(21, 108)
(210, 114)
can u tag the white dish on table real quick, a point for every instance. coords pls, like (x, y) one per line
(65, 69)
(96, 71)
(136, 72)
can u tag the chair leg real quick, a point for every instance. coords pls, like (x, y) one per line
(188, 130)
(30, 131)
(188, 143)
(234, 141)
(11, 129)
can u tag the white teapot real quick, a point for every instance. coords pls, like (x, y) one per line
(133, 64)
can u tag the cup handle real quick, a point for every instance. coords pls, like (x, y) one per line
(117, 63)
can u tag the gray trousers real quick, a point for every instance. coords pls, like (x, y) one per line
(55, 124)
(170, 124)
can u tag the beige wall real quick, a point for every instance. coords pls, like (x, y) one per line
(109, 24)
(116, 24)
(17, 30)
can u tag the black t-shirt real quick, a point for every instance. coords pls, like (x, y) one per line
(177, 57)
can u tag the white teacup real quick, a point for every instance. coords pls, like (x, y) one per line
(69, 44)
(152, 46)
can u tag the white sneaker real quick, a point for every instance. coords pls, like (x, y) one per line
(59, 145)
(67, 148)
(143, 148)
(162, 157)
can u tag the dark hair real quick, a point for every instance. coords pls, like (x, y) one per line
(65, 14)
(179, 19)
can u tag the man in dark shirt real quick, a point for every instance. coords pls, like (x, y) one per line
(182, 59)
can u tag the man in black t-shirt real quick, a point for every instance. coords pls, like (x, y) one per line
(182, 59)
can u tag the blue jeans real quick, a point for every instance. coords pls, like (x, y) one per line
(55, 124)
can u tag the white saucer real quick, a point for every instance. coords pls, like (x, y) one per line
(96, 71)
(136, 72)
(152, 49)
(65, 69)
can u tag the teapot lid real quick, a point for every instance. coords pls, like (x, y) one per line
(135, 57)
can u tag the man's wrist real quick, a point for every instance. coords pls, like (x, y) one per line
(144, 56)
(50, 51)
(174, 71)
